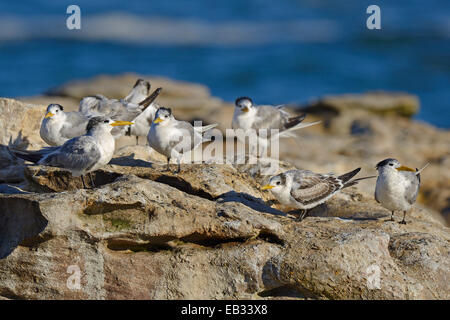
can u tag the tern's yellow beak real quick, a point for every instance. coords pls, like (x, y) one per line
(121, 123)
(267, 187)
(49, 115)
(157, 120)
(245, 109)
(403, 168)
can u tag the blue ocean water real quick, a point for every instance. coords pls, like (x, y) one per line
(274, 51)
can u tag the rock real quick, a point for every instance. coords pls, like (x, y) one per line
(207, 181)
(19, 128)
(381, 103)
(209, 232)
(136, 238)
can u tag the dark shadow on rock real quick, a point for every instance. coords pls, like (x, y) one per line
(129, 161)
(248, 200)
(366, 216)
(323, 210)
(20, 220)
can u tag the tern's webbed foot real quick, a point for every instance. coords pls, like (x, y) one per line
(402, 222)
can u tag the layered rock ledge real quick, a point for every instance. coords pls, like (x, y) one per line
(209, 232)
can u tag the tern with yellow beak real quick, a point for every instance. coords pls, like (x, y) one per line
(58, 126)
(252, 119)
(304, 189)
(397, 186)
(80, 155)
(172, 137)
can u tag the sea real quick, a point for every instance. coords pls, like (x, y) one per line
(284, 51)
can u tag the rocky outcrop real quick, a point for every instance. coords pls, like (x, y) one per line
(150, 238)
(209, 232)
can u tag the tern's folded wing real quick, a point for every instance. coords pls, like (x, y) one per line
(75, 126)
(309, 187)
(78, 154)
(268, 117)
(412, 189)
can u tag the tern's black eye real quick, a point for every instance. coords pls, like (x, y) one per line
(278, 183)
(106, 121)
(391, 164)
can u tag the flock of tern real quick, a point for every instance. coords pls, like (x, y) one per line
(84, 141)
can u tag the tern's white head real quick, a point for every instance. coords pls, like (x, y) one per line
(277, 184)
(163, 116)
(245, 104)
(104, 124)
(55, 112)
(391, 165)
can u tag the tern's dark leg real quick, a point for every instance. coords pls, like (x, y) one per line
(168, 166)
(137, 140)
(91, 180)
(404, 215)
(392, 216)
(82, 180)
(179, 166)
(304, 213)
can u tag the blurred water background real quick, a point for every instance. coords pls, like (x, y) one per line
(274, 51)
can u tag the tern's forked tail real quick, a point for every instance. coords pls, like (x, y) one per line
(345, 178)
(32, 156)
(288, 132)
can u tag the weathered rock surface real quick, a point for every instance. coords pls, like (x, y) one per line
(209, 232)
(140, 238)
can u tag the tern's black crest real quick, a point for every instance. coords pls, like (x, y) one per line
(164, 110)
(95, 122)
(238, 100)
(140, 81)
(56, 105)
(384, 162)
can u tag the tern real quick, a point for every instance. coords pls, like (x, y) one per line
(304, 189)
(397, 186)
(80, 155)
(250, 117)
(172, 137)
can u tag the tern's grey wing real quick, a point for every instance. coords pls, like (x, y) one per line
(376, 190)
(412, 190)
(89, 105)
(119, 110)
(268, 117)
(76, 125)
(77, 154)
(309, 187)
(190, 138)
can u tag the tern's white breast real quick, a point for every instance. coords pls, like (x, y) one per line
(50, 132)
(106, 145)
(390, 191)
(159, 138)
